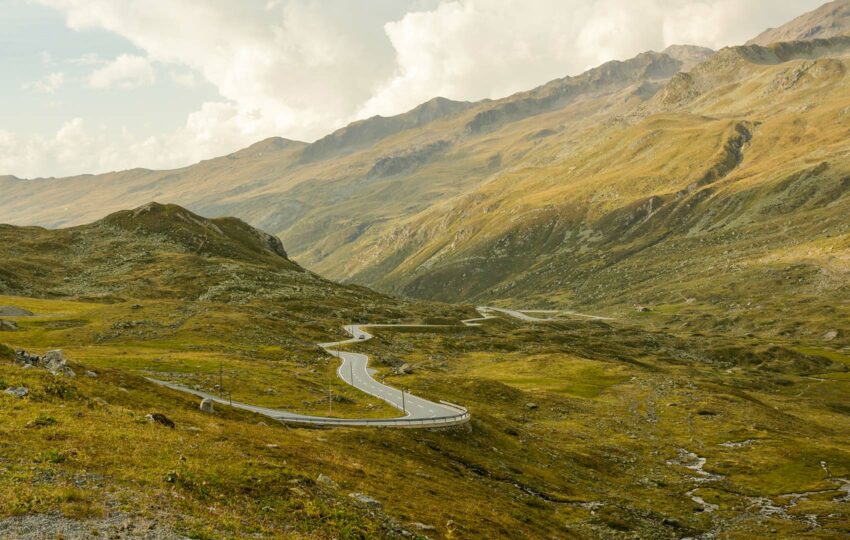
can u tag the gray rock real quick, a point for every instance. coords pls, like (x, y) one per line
(365, 499)
(91, 374)
(829, 336)
(161, 419)
(531, 406)
(8, 326)
(207, 405)
(27, 359)
(12, 311)
(404, 369)
(642, 309)
(55, 362)
(18, 392)
(326, 481)
(115, 525)
(422, 527)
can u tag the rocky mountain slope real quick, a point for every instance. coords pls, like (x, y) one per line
(710, 186)
(830, 20)
(359, 178)
(732, 174)
(162, 251)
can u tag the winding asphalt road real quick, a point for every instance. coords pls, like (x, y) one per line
(354, 370)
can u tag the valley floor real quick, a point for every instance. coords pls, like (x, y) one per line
(580, 428)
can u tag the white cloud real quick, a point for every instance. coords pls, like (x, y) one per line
(471, 49)
(79, 147)
(301, 68)
(126, 71)
(48, 84)
(87, 59)
(185, 79)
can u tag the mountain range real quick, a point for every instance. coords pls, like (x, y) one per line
(636, 281)
(696, 181)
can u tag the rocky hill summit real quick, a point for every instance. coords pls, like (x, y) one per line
(830, 20)
(159, 251)
(230, 237)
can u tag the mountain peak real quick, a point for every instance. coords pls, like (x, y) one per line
(365, 132)
(230, 237)
(268, 146)
(688, 55)
(829, 20)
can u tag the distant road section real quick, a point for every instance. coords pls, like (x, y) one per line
(524, 314)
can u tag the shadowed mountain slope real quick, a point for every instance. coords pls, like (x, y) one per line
(160, 251)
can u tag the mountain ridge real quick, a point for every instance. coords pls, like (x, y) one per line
(830, 20)
(558, 195)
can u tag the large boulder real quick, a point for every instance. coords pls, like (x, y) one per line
(55, 362)
(207, 405)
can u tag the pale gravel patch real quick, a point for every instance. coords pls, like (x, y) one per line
(54, 525)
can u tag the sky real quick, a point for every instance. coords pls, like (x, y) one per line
(91, 86)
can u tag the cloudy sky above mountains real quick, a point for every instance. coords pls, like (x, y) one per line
(99, 85)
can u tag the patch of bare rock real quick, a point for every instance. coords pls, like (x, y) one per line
(117, 526)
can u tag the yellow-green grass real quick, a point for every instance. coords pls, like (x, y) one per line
(559, 374)
(195, 355)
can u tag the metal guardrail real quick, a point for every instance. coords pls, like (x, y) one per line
(382, 422)
(440, 421)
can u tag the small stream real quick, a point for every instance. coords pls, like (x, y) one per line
(695, 463)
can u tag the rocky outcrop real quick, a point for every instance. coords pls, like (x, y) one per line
(207, 405)
(366, 132)
(53, 361)
(605, 79)
(408, 161)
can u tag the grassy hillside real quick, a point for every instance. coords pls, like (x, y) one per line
(724, 195)
(359, 181)
(580, 429)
